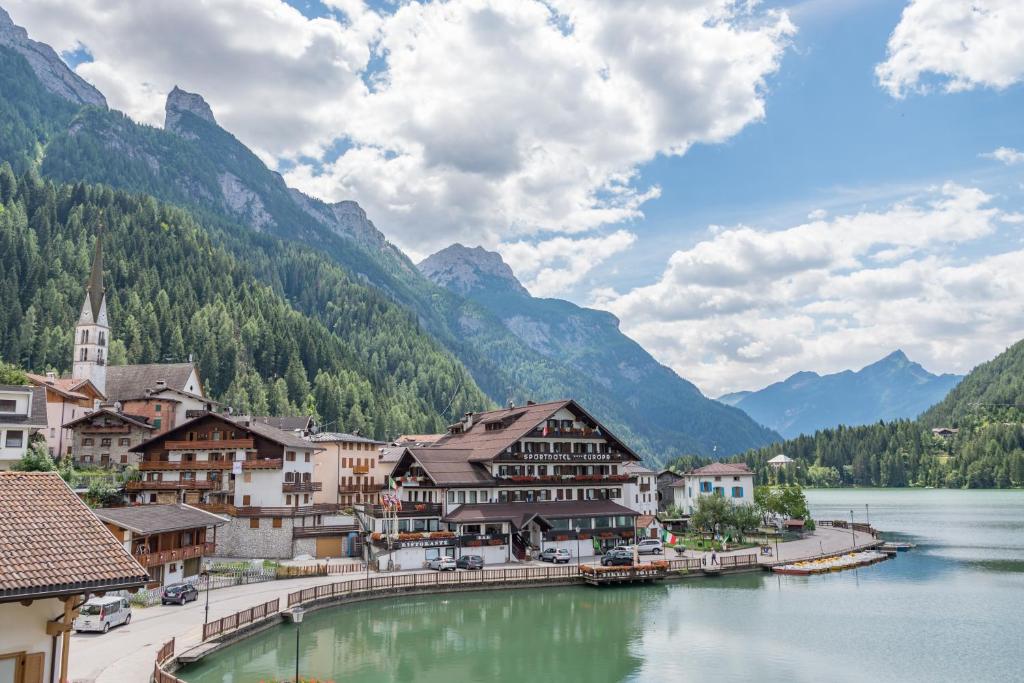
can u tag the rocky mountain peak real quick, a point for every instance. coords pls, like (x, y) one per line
(463, 269)
(180, 101)
(49, 68)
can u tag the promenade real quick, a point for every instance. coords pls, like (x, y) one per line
(126, 654)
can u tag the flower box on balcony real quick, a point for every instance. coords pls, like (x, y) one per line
(442, 534)
(496, 541)
(474, 544)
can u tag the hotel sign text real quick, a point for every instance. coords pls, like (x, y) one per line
(564, 457)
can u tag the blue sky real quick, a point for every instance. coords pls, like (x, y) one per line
(754, 189)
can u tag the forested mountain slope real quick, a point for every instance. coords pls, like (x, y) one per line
(194, 163)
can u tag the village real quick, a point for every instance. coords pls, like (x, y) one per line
(173, 497)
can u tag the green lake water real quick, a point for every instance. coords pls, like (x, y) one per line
(951, 610)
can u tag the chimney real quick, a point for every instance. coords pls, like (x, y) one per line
(51, 377)
(531, 403)
(468, 421)
(511, 404)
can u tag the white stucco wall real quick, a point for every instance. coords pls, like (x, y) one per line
(23, 629)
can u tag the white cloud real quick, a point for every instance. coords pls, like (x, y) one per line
(962, 45)
(1006, 155)
(550, 267)
(747, 307)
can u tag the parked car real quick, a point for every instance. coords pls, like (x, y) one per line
(179, 594)
(555, 555)
(650, 546)
(470, 562)
(617, 557)
(442, 564)
(102, 614)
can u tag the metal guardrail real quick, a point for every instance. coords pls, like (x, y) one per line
(240, 619)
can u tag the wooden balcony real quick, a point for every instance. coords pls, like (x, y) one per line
(561, 479)
(360, 469)
(266, 464)
(209, 445)
(297, 511)
(176, 555)
(302, 486)
(186, 485)
(360, 488)
(107, 429)
(325, 530)
(409, 509)
(195, 465)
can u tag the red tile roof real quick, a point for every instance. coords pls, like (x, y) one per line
(722, 468)
(51, 544)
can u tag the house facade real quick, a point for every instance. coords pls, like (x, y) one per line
(22, 414)
(641, 490)
(734, 482)
(105, 438)
(508, 483)
(349, 468)
(56, 554)
(67, 399)
(169, 541)
(260, 477)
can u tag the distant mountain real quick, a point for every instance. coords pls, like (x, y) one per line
(994, 389)
(653, 399)
(893, 388)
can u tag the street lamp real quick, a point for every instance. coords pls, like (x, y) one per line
(297, 615)
(205, 574)
(853, 534)
(867, 513)
(577, 546)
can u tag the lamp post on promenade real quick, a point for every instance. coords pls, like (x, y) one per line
(577, 546)
(205, 574)
(853, 534)
(297, 615)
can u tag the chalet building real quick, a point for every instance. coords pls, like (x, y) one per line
(67, 399)
(22, 414)
(94, 381)
(734, 482)
(56, 553)
(508, 483)
(259, 476)
(105, 438)
(348, 466)
(169, 541)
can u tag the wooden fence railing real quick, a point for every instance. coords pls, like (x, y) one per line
(686, 563)
(738, 560)
(385, 584)
(843, 524)
(345, 567)
(163, 655)
(240, 619)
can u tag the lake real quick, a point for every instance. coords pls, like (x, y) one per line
(953, 609)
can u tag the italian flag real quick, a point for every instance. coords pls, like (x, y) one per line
(668, 538)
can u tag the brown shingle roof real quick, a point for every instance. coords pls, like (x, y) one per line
(520, 513)
(152, 519)
(52, 544)
(451, 466)
(721, 468)
(289, 423)
(131, 381)
(65, 386)
(137, 420)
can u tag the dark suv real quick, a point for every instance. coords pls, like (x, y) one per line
(179, 593)
(617, 558)
(470, 562)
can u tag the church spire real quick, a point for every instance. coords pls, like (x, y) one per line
(95, 287)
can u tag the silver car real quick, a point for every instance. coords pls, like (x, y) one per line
(442, 564)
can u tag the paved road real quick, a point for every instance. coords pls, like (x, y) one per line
(125, 654)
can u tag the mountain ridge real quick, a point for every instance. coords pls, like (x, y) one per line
(893, 387)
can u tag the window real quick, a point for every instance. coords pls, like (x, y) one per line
(156, 423)
(737, 491)
(276, 522)
(305, 498)
(246, 500)
(84, 355)
(87, 441)
(124, 458)
(123, 442)
(157, 408)
(8, 405)
(105, 441)
(462, 497)
(307, 457)
(720, 491)
(15, 438)
(288, 499)
(254, 522)
(451, 496)
(103, 338)
(290, 456)
(705, 487)
(85, 337)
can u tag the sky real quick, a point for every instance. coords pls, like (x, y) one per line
(753, 188)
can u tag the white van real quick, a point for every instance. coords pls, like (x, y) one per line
(101, 614)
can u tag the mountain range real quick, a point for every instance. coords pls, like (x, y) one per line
(55, 124)
(892, 388)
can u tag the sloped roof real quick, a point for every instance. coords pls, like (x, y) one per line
(287, 439)
(720, 468)
(412, 439)
(289, 423)
(342, 437)
(637, 468)
(137, 420)
(132, 381)
(152, 519)
(450, 466)
(52, 544)
(520, 513)
(37, 407)
(781, 458)
(65, 386)
(94, 287)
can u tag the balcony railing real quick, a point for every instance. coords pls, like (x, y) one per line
(186, 484)
(360, 488)
(521, 480)
(209, 445)
(409, 509)
(325, 530)
(566, 432)
(266, 464)
(297, 511)
(146, 465)
(302, 486)
(107, 429)
(175, 555)
(604, 533)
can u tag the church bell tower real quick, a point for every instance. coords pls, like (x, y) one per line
(92, 333)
